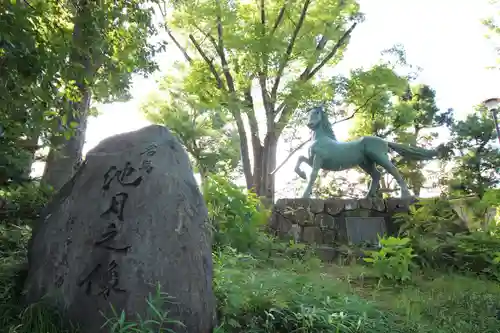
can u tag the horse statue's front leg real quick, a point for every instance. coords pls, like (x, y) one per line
(298, 170)
(316, 165)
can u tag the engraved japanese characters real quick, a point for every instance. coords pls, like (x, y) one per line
(131, 218)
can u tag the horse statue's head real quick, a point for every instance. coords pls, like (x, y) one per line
(319, 120)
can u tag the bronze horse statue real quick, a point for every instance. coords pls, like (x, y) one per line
(366, 152)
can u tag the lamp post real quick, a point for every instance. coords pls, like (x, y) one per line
(492, 104)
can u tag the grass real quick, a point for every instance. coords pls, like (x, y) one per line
(314, 298)
(286, 294)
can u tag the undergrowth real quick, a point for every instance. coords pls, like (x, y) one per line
(265, 286)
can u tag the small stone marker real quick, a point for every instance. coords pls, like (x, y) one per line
(131, 218)
(365, 229)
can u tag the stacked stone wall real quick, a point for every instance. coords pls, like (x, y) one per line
(336, 221)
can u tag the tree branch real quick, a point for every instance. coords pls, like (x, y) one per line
(358, 108)
(279, 19)
(290, 155)
(263, 70)
(163, 10)
(289, 49)
(179, 46)
(319, 47)
(308, 74)
(245, 154)
(209, 62)
(332, 53)
(221, 52)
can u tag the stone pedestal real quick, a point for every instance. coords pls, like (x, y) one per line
(336, 221)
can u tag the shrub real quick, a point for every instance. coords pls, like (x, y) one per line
(20, 204)
(477, 252)
(393, 260)
(439, 240)
(237, 216)
(429, 216)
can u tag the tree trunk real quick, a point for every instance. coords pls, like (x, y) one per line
(264, 181)
(203, 175)
(32, 142)
(64, 159)
(245, 153)
(61, 163)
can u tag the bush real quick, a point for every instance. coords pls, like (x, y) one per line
(476, 252)
(21, 204)
(393, 260)
(429, 217)
(237, 216)
(440, 241)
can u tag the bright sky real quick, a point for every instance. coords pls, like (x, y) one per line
(443, 37)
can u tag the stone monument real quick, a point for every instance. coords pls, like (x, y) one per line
(339, 221)
(132, 217)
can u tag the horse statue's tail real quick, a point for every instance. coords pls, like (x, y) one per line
(414, 153)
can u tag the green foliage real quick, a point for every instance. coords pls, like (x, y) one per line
(270, 300)
(51, 54)
(234, 45)
(441, 240)
(478, 163)
(33, 47)
(474, 253)
(237, 216)
(206, 133)
(22, 203)
(492, 198)
(429, 217)
(119, 36)
(256, 298)
(156, 320)
(393, 260)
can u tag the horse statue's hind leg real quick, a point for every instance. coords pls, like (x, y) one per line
(384, 162)
(371, 169)
(298, 170)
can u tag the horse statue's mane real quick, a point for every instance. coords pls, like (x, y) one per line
(327, 125)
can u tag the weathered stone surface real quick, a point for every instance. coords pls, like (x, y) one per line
(312, 235)
(313, 205)
(365, 229)
(376, 204)
(334, 207)
(274, 221)
(397, 205)
(358, 213)
(283, 225)
(351, 204)
(327, 253)
(131, 218)
(330, 237)
(296, 233)
(324, 221)
(299, 210)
